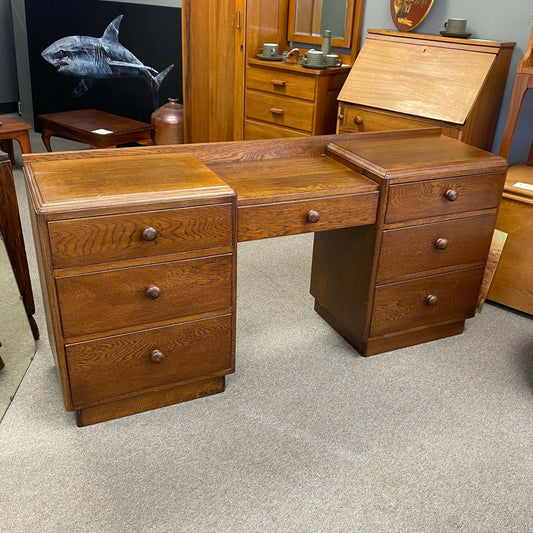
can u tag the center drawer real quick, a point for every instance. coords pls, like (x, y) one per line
(86, 241)
(280, 83)
(100, 370)
(280, 110)
(131, 297)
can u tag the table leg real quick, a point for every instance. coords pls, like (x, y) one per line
(23, 139)
(45, 136)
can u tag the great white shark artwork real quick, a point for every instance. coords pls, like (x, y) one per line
(94, 58)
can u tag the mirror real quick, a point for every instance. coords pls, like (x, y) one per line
(309, 18)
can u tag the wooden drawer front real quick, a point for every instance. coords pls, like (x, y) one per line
(93, 240)
(280, 110)
(357, 120)
(260, 130)
(114, 299)
(105, 368)
(402, 306)
(281, 83)
(435, 197)
(289, 218)
(433, 246)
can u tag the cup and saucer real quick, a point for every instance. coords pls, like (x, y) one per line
(317, 66)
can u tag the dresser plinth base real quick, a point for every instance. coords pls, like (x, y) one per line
(151, 400)
(394, 341)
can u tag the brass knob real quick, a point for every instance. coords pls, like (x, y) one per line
(157, 356)
(149, 233)
(431, 300)
(441, 243)
(153, 291)
(340, 117)
(313, 216)
(451, 195)
(358, 120)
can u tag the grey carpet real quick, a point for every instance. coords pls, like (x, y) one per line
(308, 437)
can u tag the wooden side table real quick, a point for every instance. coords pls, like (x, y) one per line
(14, 129)
(95, 128)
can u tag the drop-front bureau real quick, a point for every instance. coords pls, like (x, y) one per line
(137, 251)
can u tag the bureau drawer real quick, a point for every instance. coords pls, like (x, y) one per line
(424, 301)
(281, 83)
(432, 246)
(93, 240)
(443, 196)
(123, 298)
(105, 368)
(280, 110)
(356, 119)
(289, 218)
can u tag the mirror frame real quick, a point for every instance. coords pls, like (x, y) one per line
(305, 38)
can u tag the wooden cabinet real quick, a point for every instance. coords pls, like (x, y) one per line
(415, 275)
(287, 100)
(139, 274)
(406, 80)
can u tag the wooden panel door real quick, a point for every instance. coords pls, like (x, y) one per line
(213, 69)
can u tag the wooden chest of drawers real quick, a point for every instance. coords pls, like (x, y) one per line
(288, 100)
(415, 275)
(406, 80)
(139, 274)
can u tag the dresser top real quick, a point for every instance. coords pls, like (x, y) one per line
(63, 184)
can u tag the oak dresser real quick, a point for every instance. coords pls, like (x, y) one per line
(136, 250)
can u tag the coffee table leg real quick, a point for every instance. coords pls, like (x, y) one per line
(45, 136)
(23, 139)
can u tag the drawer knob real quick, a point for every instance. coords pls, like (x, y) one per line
(431, 299)
(277, 111)
(279, 83)
(358, 120)
(340, 117)
(149, 233)
(451, 195)
(313, 216)
(441, 243)
(157, 356)
(153, 292)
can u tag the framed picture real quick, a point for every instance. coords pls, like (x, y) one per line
(408, 14)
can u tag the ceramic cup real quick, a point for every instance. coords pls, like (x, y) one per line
(333, 60)
(270, 50)
(456, 26)
(315, 58)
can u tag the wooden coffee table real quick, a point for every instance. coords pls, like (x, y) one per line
(14, 129)
(95, 128)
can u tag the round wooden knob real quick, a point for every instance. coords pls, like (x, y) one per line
(358, 120)
(441, 243)
(313, 216)
(431, 299)
(153, 291)
(149, 233)
(340, 117)
(451, 195)
(157, 356)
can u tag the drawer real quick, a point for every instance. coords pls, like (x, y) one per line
(432, 246)
(93, 240)
(407, 305)
(289, 218)
(115, 299)
(281, 83)
(443, 196)
(260, 130)
(105, 368)
(356, 120)
(280, 110)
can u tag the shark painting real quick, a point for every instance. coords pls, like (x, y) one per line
(94, 58)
